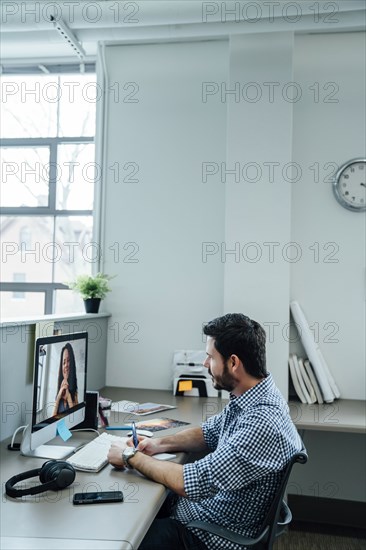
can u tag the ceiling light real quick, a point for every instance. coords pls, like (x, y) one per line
(69, 36)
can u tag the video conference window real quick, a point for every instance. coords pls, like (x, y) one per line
(60, 379)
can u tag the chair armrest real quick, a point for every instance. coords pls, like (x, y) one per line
(284, 520)
(224, 533)
(285, 515)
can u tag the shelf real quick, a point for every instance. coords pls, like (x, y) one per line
(343, 415)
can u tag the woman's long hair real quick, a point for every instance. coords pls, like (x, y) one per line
(72, 381)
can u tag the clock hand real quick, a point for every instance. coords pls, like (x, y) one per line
(363, 184)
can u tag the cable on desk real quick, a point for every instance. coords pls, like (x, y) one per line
(15, 446)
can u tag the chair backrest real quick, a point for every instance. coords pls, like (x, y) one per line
(274, 511)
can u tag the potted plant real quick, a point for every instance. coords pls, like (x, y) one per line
(92, 290)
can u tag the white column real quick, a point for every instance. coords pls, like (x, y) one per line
(256, 251)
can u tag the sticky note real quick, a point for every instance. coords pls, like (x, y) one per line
(63, 431)
(185, 385)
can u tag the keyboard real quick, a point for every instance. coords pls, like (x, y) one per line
(93, 456)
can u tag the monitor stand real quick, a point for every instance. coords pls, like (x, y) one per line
(55, 452)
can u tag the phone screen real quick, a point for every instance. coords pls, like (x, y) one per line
(98, 497)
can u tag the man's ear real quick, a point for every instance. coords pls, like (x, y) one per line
(234, 362)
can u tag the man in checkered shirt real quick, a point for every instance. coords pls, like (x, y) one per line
(248, 445)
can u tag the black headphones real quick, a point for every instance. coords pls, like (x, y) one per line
(54, 474)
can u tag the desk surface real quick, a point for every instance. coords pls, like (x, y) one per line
(50, 521)
(343, 415)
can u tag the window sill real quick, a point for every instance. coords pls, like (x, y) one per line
(51, 318)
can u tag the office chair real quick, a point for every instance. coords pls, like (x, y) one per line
(278, 517)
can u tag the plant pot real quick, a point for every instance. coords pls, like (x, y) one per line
(92, 305)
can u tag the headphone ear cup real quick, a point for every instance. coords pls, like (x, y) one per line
(58, 472)
(47, 472)
(66, 476)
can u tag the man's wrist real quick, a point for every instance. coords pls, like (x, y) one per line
(127, 454)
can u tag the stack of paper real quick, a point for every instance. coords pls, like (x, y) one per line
(304, 380)
(313, 372)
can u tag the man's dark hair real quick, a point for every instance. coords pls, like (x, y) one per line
(236, 334)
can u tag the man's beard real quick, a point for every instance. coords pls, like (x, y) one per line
(224, 382)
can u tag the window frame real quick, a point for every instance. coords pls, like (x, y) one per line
(47, 288)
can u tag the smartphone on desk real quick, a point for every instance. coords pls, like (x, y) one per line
(98, 497)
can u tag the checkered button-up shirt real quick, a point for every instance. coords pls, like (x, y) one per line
(250, 441)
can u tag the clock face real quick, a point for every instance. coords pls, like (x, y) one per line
(349, 185)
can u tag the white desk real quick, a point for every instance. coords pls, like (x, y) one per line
(50, 520)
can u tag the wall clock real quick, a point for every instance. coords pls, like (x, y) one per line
(349, 185)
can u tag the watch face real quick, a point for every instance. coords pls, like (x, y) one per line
(129, 451)
(349, 185)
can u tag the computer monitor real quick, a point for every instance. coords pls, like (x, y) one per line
(59, 393)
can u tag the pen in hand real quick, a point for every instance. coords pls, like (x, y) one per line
(134, 436)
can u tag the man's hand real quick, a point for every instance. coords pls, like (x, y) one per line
(147, 446)
(168, 474)
(116, 450)
(115, 455)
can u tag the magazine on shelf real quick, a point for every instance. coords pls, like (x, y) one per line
(295, 380)
(330, 378)
(307, 381)
(313, 352)
(301, 380)
(314, 381)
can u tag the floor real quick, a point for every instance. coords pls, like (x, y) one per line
(316, 537)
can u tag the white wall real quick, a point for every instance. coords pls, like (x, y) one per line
(258, 210)
(165, 296)
(169, 292)
(329, 278)
(332, 293)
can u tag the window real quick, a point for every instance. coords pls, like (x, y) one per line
(48, 175)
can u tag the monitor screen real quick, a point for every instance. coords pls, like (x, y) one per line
(59, 388)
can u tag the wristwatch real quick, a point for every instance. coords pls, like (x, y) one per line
(128, 453)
